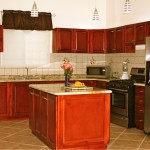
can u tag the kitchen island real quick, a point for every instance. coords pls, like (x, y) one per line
(70, 119)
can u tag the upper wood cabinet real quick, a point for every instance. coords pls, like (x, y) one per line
(63, 40)
(119, 40)
(111, 47)
(129, 32)
(81, 38)
(140, 32)
(98, 41)
(1, 38)
(79, 41)
(148, 28)
(115, 40)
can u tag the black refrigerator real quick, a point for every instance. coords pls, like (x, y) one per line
(147, 89)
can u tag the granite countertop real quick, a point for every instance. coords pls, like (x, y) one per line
(55, 77)
(59, 89)
(139, 84)
(19, 78)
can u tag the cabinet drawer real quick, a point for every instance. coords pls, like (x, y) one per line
(139, 90)
(139, 111)
(139, 101)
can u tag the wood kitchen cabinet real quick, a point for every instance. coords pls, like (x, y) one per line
(115, 40)
(81, 37)
(101, 84)
(73, 40)
(20, 99)
(4, 100)
(148, 28)
(129, 37)
(97, 41)
(140, 32)
(111, 44)
(67, 122)
(119, 39)
(63, 41)
(139, 107)
(1, 38)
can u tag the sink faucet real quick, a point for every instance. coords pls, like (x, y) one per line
(27, 71)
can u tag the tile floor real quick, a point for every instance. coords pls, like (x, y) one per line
(16, 135)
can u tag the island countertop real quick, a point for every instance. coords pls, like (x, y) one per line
(59, 89)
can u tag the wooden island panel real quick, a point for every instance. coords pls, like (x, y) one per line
(71, 121)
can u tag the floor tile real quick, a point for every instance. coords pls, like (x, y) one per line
(6, 145)
(17, 135)
(145, 145)
(126, 143)
(27, 147)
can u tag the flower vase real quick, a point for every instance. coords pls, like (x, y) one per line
(67, 78)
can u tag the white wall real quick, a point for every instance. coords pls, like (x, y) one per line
(69, 13)
(116, 17)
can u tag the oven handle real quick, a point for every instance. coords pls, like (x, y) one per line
(120, 90)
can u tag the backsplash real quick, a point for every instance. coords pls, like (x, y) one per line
(79, 62)
(136, 59)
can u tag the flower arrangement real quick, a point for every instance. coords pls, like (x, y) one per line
(68, 68)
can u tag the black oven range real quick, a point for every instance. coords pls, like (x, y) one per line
(122, 102)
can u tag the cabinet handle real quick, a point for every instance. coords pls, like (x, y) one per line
(44, 98)
(31, 93)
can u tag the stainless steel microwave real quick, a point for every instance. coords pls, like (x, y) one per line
(96, 71)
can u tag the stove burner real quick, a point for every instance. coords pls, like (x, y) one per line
(120, 84)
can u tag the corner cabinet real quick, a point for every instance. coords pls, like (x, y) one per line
(129, 32)
(115, 40)
(1, 38)
(139, 106)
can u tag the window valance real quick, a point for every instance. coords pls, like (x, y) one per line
(22, 20)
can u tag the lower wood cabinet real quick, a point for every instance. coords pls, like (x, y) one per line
(139, 106)
(68, 121)
(20, 99)
(101, 84)
(4, 100)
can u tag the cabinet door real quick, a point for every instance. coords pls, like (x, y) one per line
(98, 41)
(63, 40)
(81, 41)
(119, 40)
(44, 115)
(1, 38)
(37, 112)
(148, 28)
(4, 101)
(101, 84)
(20, 99)
(140, 33)
(111, 41)
(129, 31)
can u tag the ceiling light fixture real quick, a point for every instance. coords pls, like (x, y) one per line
(127, 7)
(34, 11)
(95, 14)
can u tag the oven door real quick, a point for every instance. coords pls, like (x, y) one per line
(119, 102)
